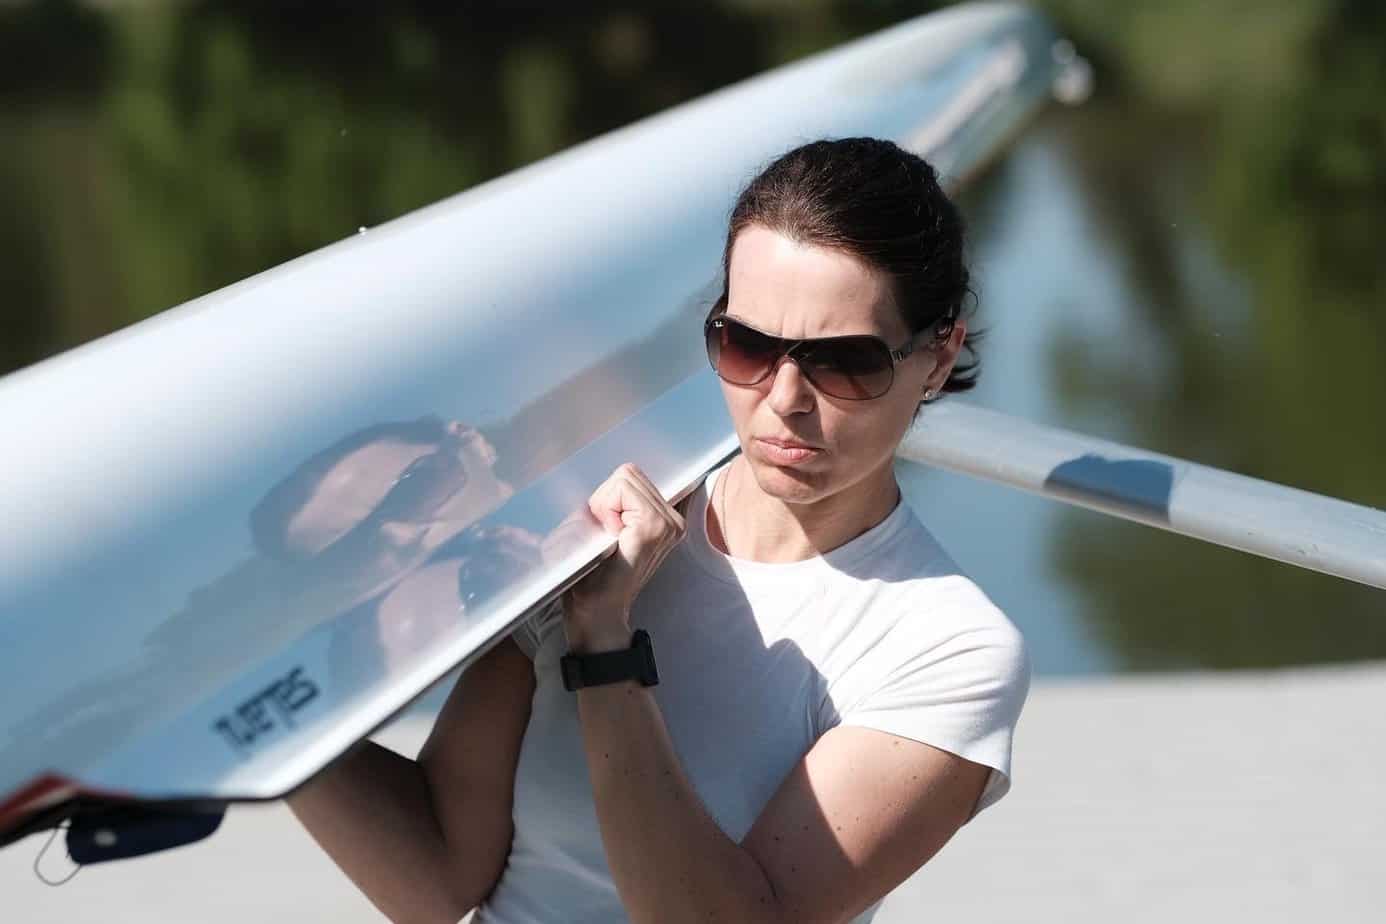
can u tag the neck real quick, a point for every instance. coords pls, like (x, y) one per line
(747, 523)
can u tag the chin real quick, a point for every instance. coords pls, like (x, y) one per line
(790, 484)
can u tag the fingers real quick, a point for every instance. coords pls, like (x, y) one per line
(653, 496)
(646, 527)
(629, 499)
(606, 505)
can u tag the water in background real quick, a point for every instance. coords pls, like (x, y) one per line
(1189, 263)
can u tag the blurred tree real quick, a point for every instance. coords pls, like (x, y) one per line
(1263, 123)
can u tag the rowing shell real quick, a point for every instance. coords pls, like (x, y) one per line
(243, 534)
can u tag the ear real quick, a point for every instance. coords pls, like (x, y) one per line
(946, 354)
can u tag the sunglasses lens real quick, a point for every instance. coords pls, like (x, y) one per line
(740, 355)
(423, 486)
(854, 368)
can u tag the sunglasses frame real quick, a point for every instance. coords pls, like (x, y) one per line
(788, 347)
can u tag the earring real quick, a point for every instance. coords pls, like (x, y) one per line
(929, 394)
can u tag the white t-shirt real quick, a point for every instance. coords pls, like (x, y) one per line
(756, 661)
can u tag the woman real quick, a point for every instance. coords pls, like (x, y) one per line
(834, 698)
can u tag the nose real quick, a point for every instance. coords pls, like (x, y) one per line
(790, 390)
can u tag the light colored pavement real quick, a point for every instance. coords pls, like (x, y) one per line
(1170, 798)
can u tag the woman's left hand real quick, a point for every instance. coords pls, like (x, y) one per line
(628, 506)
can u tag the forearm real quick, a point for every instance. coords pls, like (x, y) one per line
(670, 860)
(373, 814)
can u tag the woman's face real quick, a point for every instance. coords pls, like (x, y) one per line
(352, 489)
(799, 291)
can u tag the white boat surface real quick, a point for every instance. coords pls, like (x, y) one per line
(177, 627)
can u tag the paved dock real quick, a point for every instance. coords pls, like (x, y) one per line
(1223, 797)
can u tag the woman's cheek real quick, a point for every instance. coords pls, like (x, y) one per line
(863, 439)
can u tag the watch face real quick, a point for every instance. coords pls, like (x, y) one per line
(649, 674)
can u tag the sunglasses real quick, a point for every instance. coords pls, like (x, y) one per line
(424, 486)
(857, 367)
(415, 496)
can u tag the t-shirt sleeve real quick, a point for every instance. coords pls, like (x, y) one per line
(961, 692)
(532, 631)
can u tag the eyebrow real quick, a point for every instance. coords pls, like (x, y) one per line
(877, 334)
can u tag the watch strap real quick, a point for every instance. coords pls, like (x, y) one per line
(592, 670)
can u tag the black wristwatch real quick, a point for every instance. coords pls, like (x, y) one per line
(635, 662)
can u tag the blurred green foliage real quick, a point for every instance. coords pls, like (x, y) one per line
(153, 152)
(1263, 120)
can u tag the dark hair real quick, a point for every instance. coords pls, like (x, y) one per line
(878, 202)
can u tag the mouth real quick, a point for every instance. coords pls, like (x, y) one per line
(786, 452)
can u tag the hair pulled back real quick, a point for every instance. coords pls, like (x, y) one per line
(878, 202)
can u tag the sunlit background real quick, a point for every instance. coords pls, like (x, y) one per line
(1190, 262)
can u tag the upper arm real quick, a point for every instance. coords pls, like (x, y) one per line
(470, 757)
(858, 814)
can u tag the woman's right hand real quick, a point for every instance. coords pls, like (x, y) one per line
(647, 527)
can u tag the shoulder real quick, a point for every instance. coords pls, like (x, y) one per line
(920, 591)
(927, 631)
(954, 608)
(946, 627)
